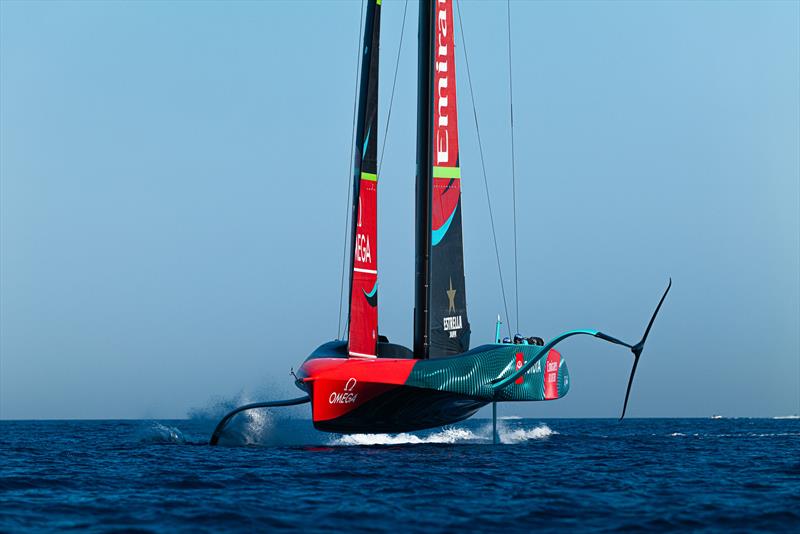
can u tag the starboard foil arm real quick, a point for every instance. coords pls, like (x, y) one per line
(272, 404)
(636, 349)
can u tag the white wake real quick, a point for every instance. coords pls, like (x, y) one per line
(519, 435)
(449, 435)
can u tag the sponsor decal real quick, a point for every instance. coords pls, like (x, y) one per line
(442, 93)
(451, 296)
(535, 368)
(362, 379)
(551, 374)
(453, 323)
(552, 371)
(363, 253)
(446, 172)
(363, 294)
(346, 396)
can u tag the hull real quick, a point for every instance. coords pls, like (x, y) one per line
(355, 395)
(401, 409)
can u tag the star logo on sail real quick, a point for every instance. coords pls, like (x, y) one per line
(454, 323)
(451, 294)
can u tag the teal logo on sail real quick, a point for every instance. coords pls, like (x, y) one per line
(372, 296)
(366, 140)
(438, 234)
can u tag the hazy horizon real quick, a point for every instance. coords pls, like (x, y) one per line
(173, 183)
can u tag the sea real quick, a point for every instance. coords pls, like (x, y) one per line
(278, 474)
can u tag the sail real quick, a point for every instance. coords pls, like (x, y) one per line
(448, 325)
(363, 313)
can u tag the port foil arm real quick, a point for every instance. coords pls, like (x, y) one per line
(225, 420)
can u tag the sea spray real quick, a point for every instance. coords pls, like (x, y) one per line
(518, 435)
(510, 435)
(283, 426)
(449, 435)
(251, 427)
(161, 433)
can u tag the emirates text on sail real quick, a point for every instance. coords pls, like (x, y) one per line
(442, 137)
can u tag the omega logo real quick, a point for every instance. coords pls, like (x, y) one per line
(347, 396)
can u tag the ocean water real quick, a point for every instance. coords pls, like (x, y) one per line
(280, 474)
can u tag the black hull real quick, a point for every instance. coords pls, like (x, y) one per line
(404, 409)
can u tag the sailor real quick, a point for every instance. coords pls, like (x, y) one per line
(535, 341)
(519, 340)
(506, 339)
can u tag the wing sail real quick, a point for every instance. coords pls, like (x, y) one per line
(448, 327)
(363, 329)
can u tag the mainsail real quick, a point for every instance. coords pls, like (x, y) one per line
(363, 330)
(441, 296)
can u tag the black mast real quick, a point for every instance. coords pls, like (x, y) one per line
(424, 181)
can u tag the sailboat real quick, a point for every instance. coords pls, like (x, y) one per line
(366, 384)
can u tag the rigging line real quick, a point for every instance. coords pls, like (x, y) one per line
(483, 164)
(394, 84)
(350, 172)
(513, 164)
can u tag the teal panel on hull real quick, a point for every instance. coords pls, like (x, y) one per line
(471, 374)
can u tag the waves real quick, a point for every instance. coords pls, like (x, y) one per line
(161, 475)
(741, 435)
(268, 428)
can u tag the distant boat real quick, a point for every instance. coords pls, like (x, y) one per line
(366, 384)
(715, 416)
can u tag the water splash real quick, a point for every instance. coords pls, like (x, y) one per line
(449, 435)
(160, 433)
(518, 435)
(252, 427)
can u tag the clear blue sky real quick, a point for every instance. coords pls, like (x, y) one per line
(172, 193)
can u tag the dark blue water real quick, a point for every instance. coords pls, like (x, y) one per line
(656, 474)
